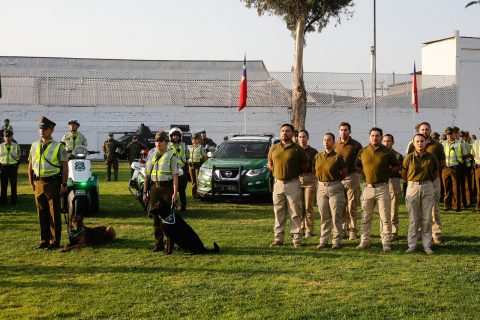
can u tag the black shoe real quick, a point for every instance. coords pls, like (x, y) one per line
(42, 245)
(183, 209)
(157, 249)
(52, 246)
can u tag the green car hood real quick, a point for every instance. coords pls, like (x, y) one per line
(235, 163)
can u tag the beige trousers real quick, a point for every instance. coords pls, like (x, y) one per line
(370, 197)
(287, 199)
(436, 221)
(395, 193)
(351, 184)
(420, 201)
(308, 183)
(331, 204)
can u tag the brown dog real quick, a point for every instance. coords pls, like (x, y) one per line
(81, 236)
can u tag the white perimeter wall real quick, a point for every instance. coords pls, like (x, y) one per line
(97, 122)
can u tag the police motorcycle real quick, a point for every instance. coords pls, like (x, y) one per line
(137, 180)
(82, 184)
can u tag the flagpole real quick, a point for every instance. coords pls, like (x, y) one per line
(245, 118)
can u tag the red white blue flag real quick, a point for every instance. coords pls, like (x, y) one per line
(242, 98)
(414, 89)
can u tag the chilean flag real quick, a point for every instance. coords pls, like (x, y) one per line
(242, 98)
(414, 89)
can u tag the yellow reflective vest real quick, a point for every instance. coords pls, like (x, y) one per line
(9, 154)
(45, 163)
(453, 153)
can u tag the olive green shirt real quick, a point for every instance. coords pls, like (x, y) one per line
(349, 151)
(328, 166)
(420, 168)
(133, 150)
(288, 161)
(398, 155)
(311, 153)
(109, 147)
(433, 147)
(376, 163)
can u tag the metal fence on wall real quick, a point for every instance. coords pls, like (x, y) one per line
(81, 87)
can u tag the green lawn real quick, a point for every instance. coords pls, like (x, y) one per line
(247, 280)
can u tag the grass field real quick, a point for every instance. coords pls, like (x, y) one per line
(247, 280)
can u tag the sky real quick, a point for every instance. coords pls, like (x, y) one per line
(226, 30)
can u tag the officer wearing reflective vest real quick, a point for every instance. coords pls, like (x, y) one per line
(197, 155)
(47, 173)
(162, 178)
(451, 175)
(476, 159)
(466, 186)
(180, 149)
(9, 161)
(74, 138)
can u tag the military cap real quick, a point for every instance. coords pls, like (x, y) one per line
(7, 133)
(6, 120)
(161, 136)
(203, 131)
(197, 135)
(449, 130)
(435, 135)
(456, 129)
(134, 137)
(110, 133)
(45, 123)
(462, 133)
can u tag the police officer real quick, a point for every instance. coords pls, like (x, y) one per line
(206, 141)
(162, 175)
(6, 126)
(9, 161)
(197, 155)
(330, 169)
(377, 163)
(73, 138)
(420, 169)
(109, 147)
(393, 187)
(133, 151)
(467, 194)
(47, 174)
(451, 175)
(180, 148)
(476, 159)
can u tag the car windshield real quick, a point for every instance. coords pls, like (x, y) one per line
(243, 149)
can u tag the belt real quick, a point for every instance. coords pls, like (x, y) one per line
(47, 179)
(163, 183)
(419, 182)
(191, 164)
(376, 185)
(287, 180)
(452, 167)
(328, 183)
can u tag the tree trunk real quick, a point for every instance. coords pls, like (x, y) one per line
(299, 95)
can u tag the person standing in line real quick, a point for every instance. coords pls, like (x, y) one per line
(377, 163)
(6, 126)
(133, 150)
(197, 155)
(468, 170)
(393, 187)
(435, 148)
(348, 148)
(9, 162)
(288, 161)
(180, 148)
(162, 176)
(47, 174)
(308, 183)
(330, 169)
(204, 141)
(420, 169)
(476, 159)
(111, 159)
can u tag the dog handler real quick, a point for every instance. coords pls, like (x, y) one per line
(47, 174)
(162, 175)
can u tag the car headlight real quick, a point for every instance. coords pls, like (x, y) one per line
(255, 172)
(207, 172)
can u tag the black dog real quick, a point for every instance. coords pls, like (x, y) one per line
(179, 232)
(81, 236)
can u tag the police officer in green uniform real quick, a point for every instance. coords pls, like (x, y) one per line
(109, 147)
(197, 155)
(9, 161)
(73, 138)
(162, 177)
(133, 151)
(47, 174)
(180, 148)
(6, 126)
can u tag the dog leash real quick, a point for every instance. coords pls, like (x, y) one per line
(171, 217)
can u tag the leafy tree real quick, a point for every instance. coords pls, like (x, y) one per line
(472, 3)
(302, 16)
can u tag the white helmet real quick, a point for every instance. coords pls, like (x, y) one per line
(173, 130)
